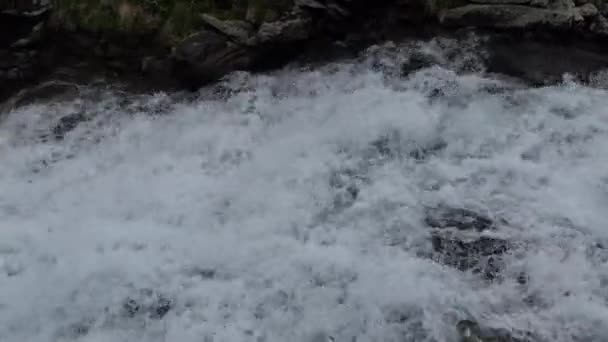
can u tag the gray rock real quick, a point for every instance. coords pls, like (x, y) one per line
(457, 243)
(506, 17)
(501, 2)
(599, 26)
(332, 8)
(458, 218)
(206, 56)
(471, 331)
(13, 74)
(482, 255)
(237, 30)
(539, 3)
(587, 11)
(284, 31)
(561, 4)
(45, 91)
(527, 59)
(310, 4)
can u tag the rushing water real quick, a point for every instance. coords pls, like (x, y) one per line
(264, 210)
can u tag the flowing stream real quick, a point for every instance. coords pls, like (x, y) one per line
(290, 206)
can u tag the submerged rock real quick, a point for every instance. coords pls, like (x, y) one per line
(457, 243)
(147, 303)
(417, 61)
(507, 17)
(480, 256)
(206, 56)
(238, 30)
(459, 218)
(588, 11)
(527, 58)
(470, 331)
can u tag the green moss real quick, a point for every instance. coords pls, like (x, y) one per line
(171, 19)
(182, 20)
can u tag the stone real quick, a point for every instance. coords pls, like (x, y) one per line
(482, 255)
(506, 17)
(237, 30)
(417, 61)
(501, 2)
(50, 90)
(13, 74)
(561, 4)
(67, 124)
(580, 2)
(599, 26)
(539, 3)
(291, 30)
(206, 56)
(310, 4)
(588, 11)
(527, 60)
(457, 243)
(471, 331)
(459, 218)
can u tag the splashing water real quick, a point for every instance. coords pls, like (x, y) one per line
(290, 207)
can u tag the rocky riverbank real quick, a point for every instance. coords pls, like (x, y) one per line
(175, 44)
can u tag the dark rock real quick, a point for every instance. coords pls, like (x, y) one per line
(131, 307)
(43, 92)
(284, 31)
(456, 242)
(539, 3)
(599, 26)
(501, 2)
(330, 8)
(587, 11)
(422, 153)
(459, 218)
(471, 331)
(147, 302)
(67, 124)
(13, 74)
(507, 17)
(527, 59)
(561, 4)
(207, 56)
(161, 308)
(481, 256)
(417, 61)
(237, 30)
(33, 38)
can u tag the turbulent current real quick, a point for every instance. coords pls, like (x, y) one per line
(290, 206)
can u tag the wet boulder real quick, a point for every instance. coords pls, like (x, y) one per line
(507, 17)
(147, 303)
(206, 56)
(471, 331)
(480, 255)
(527, 59)
(458, 242)
(418, 61)
(459, 218)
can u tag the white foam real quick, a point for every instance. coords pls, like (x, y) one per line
(240, 188)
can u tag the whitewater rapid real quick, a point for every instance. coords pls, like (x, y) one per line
(263, 210)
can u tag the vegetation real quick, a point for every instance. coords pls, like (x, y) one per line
(172, 19)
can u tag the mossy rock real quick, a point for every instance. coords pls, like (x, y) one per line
(171, 20)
